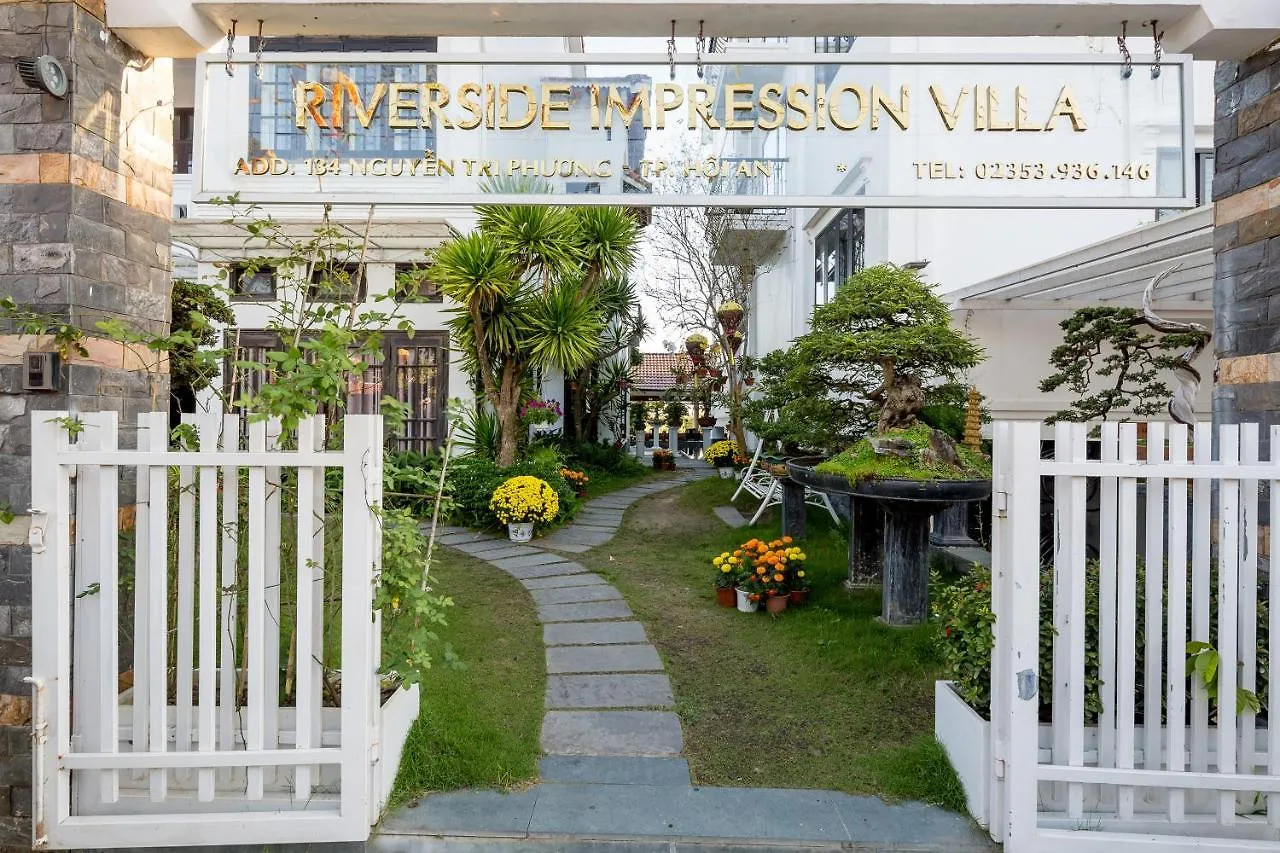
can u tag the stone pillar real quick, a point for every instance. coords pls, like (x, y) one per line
(1246, 291)
(84, 236)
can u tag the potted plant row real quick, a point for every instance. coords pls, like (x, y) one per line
(758, 571)
(664, 460)
(522, 502)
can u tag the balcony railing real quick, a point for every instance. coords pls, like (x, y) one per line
(766, 176)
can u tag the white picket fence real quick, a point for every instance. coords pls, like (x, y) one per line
(197, 749)
(1163, 767)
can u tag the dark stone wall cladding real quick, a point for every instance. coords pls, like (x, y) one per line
(84, 234)
(1246, 190)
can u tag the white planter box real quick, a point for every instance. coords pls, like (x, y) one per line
(967, 740)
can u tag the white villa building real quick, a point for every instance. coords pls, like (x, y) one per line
(417, 369)
(1001, 268)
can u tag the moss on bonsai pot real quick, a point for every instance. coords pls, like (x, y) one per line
(914, 453)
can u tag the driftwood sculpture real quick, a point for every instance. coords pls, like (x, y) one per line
(1187, 378)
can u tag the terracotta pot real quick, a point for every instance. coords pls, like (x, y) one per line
(799, 596)
(582, 492)
(726, 597)
(669, 465)
(777, 603)
(658, 464)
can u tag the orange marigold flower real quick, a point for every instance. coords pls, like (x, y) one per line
(778, 578)
(760, 570)
(787, 540)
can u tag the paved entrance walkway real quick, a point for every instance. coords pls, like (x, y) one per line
(612, 775)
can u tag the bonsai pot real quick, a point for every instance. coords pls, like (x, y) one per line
(777, 603)
(908, 506)
(745, 604)
(520, 531)
(799, 596)
(726, 596)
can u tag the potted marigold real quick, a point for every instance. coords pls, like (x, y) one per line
(725, 577)
(663, 460)
(720, 454)
(577, 480)
(750, 590)
(521, 502)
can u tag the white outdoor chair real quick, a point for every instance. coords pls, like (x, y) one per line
(759, 481)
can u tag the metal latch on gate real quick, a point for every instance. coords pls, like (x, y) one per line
(35, 536)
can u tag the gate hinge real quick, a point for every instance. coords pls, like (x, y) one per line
(999, 768)
(1000, 502)
(35, 536)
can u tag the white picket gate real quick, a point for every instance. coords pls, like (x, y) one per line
(1198, 774)
(198, 749)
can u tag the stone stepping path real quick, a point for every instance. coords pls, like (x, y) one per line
(608, 699)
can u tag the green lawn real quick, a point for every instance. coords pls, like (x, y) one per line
(821, 697)
(479, 725)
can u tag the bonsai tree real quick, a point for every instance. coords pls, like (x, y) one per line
(885, 336)
(1111, 363)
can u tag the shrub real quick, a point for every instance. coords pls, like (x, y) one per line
(962, 611)
(722, 452)
(600, 457)
(410, 481)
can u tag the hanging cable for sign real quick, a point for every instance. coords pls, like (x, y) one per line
(1157, 36)
(1126, 71)
(231, 49)
(701, 46)
(262, 47)
(671, 49)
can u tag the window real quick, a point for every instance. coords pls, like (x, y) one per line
(582, 187)
(412, 370)
(337, 283)
(253, 283)
(838, 253)
(184, 133)
(1169, 178)
(272, 125)
(824, 74)
(413, 283)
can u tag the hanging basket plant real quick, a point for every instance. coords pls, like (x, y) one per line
(696, 346)
(730, 315)
(734, 339)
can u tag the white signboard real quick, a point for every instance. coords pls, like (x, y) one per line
(894, 131)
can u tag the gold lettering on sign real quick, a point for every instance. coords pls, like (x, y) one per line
(670, 98)
(639, 105)
(505, 121)
(738, 106)
(467, 95)
(1066, 106)
(838, 118)
(550, 104)
(900, 112)
(950, 115)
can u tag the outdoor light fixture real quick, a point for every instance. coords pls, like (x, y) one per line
(44, 73)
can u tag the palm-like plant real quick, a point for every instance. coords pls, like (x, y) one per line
(535, 289)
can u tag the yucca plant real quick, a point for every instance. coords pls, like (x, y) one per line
(535, 290)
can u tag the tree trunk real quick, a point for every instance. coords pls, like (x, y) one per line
(509, 432)
(901, 405)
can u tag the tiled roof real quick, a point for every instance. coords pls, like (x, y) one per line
(654, 372)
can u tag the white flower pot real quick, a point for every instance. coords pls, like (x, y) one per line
(745, 604)
(520, 531)
(726, 472)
